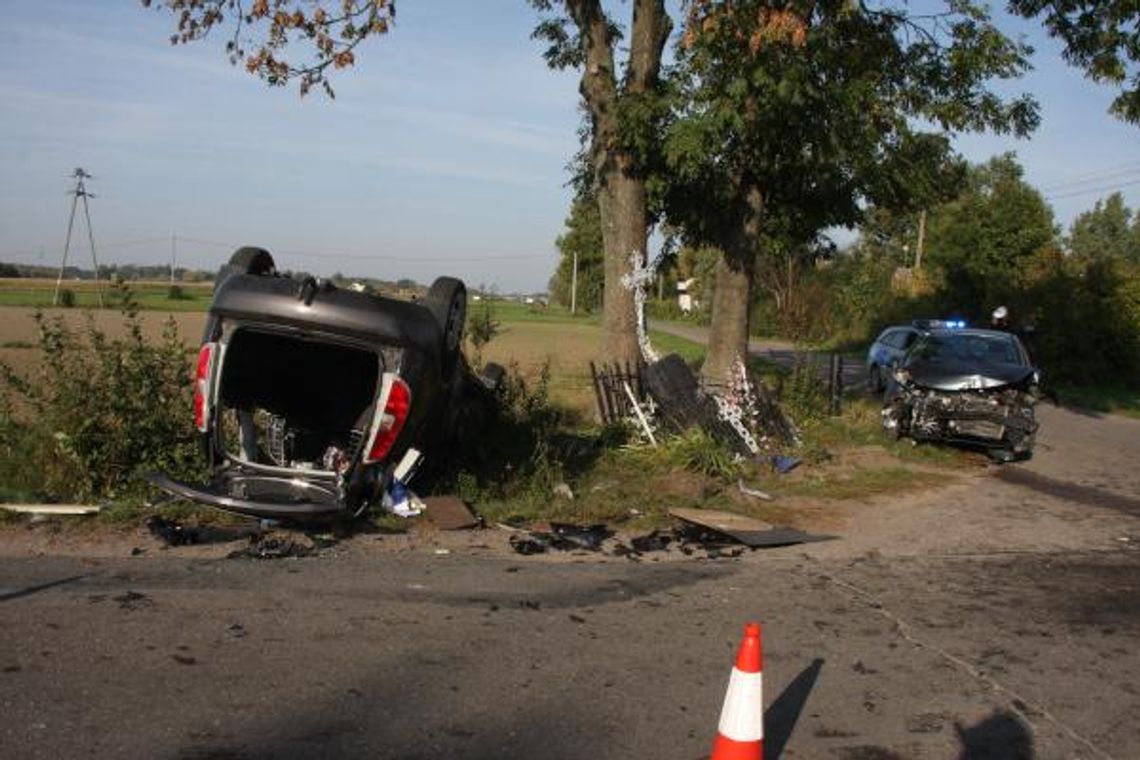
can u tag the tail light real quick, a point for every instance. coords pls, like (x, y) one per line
(391, 413)
(202, 386)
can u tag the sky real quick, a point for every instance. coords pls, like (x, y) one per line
(444, 152)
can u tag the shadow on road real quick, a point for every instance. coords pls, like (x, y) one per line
(1060, 489)
(1002, 736)
(781, 716)
(38, 588)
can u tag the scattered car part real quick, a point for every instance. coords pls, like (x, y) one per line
(752, 533)
(755, 493)
(450, 513)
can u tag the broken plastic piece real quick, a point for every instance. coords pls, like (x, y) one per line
(589, 537)
(528, 546)
(406, 469)
(784, 464)
(401, 501)
(753, 492)
(657, 541)
(171, 532)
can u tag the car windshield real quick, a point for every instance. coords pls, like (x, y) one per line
(971, 347)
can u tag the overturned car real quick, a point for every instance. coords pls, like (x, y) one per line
(309, 398)
(965, 386)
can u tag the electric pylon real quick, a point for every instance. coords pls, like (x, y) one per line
(80, 191)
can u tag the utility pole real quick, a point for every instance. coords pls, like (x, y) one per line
(80, 191)
(173, 254)
(921, 240)
(574, 287)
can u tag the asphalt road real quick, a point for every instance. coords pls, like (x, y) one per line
(999, 617)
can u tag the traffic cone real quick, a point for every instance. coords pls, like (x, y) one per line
(740, 735)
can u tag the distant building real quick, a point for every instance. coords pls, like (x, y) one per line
(686, 295)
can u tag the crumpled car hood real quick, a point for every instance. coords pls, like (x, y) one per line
(965, 376)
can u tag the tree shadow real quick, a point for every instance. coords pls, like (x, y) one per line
(1001, 736)
(782, 715)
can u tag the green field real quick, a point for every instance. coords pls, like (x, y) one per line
(150, 295)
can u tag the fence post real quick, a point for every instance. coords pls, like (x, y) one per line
(835, 384)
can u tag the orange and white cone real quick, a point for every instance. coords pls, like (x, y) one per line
(740, 735)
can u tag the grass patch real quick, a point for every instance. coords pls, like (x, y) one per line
(666, 343)
(1107, 399)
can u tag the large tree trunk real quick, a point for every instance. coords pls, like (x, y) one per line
(732, 299)
(620, 188)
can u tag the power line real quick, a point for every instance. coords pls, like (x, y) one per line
(1084, 179)
(305, 254)
(1104, 189)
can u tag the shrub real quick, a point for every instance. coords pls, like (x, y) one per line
(804, 392)
(176, 293)
(482, 329)
(66, 298)
(100, 412)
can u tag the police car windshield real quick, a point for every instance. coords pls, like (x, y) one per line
(971, 347)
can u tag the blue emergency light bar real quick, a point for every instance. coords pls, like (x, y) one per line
(938, 324)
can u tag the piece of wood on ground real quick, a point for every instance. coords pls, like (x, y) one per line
(52, 509)
(450, 513)
(747, 530)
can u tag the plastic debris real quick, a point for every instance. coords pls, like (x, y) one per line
(564, 490)
(280, 546)
(589, 537)
(401, 501)
(784, 464)
(656, 541)
(528, 545)
(451, 513)
(753, 492)
(171, 532)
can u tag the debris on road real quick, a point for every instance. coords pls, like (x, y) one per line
(280, 546)
(784, 464)
(561, 537)
(589, 537)
(171, 532)
(133, 600)
(450, 513)
(752, 533)
(753, 492)
(41, 511)
(175, 533)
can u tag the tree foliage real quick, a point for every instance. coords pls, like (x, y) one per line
(262, 32)
(1108, 230)
(583, 236)
(1100, 36)
(985, 240)
(793, 116)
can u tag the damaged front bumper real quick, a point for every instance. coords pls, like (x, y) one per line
(994, 419)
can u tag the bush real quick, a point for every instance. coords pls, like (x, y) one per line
(176, 293)
(482, 329)
(99, 413)
(66, 298)
(804, 392)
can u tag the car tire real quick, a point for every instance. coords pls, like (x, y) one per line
(246, 260)
(446, 299)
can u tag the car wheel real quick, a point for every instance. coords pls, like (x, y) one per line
(447, 301)
(246, 260)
